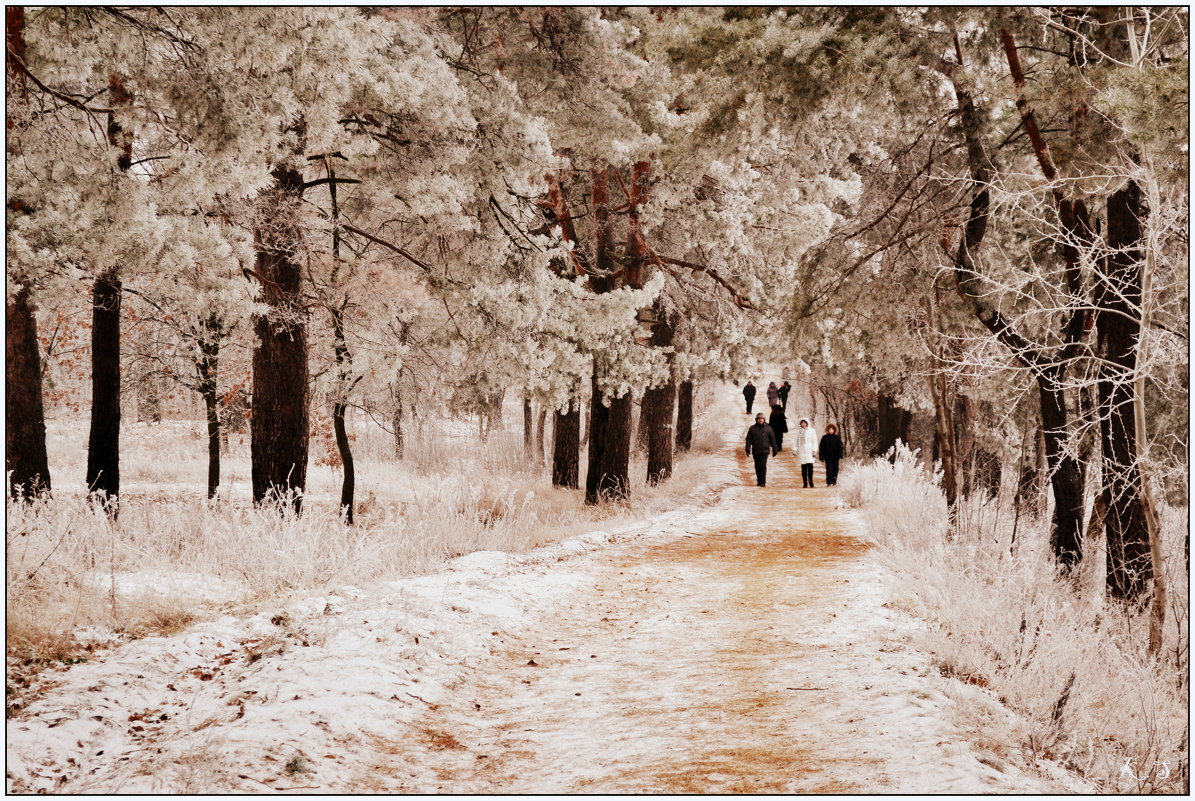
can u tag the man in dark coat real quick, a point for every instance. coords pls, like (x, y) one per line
(749, 394)
(779, 424)
(761, 441)
(829, 450)
(785, 388)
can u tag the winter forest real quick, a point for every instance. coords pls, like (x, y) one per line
(374, 415)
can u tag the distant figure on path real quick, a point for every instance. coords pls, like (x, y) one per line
(779, 424)
(830, 452)
(749, 394)
(785, 388)
(773, 394)
(805, 449)
(761, 441)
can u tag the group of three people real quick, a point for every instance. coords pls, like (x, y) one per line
(767, 438)
(776, 394)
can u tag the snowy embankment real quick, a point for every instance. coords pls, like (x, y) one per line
(742, 642)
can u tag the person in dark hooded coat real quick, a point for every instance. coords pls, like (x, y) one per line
(830, 452)
(779, 424)
(761, 441)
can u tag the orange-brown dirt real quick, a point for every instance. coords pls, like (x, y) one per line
(678, 669)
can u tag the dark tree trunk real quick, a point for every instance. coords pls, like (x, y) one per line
(279, 432)
(1066, 536)
(24, 418)
(208, 368)
(566, 448)
(528, 427)
(892, 424)
(399, 444)
(103, 443)
(1118, 296)
(965, 415)
(684, 416)
(598, 415)
(614, 471)
(659, 404)
(26, 462)
(539, 435)
(344, 361)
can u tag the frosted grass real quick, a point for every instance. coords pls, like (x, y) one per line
(1072, 665)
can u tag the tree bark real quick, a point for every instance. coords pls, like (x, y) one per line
(614, 470)
(399, 444)
(566, 448)
(1066, 480)
(944, 438)
(684, 417)
(528, 427)
(26, 460)
(892, 424)
(344, 363)
(599, 413)
(103, 442)
(279, 432)
(539, 435)
(208, 368)
(1118, 330)
(659, 403)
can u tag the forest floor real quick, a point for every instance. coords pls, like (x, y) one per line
(741, 643)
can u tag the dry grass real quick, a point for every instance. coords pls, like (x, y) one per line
(1071, 664)
(172, 557)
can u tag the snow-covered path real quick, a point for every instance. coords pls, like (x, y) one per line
(753, 655)
(741, 644)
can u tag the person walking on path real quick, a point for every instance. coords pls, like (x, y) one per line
(829, 450)
(761, 441)
(785, 388)
(749, 395)
(805, 449)
(779, 424)
(773, 394)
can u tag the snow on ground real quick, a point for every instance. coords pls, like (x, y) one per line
(741, 643)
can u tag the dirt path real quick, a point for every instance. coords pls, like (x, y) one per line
(756, 657)
(740, 645)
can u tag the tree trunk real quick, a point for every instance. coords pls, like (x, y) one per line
(399, 444)
(614, 471)
(103, 443)
(965, 415)
(539, 435)
(944, 438)
(684, 417)
(566, 448)
(344, 363)
(892, 424)
(598, 415)
(1066, 536)
(1118, 296)
(659, 404)
(208, 368)
(528, 427)
(279, 431)
(26, 461)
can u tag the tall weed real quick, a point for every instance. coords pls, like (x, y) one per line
(1072, 664)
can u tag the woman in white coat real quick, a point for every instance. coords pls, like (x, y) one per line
(805, 449)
